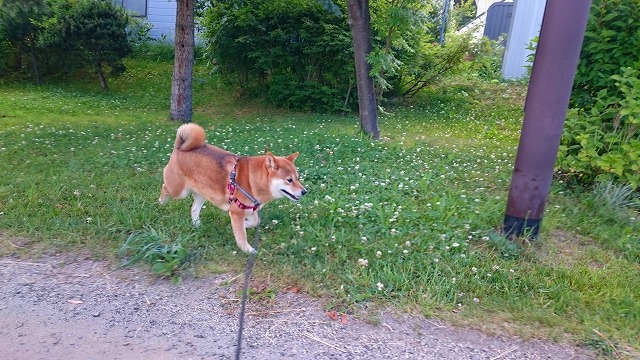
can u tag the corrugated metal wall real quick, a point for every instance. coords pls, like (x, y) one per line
(498, 20)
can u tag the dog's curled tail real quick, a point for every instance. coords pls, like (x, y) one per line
(188, 137)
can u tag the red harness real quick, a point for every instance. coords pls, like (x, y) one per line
(232, 189)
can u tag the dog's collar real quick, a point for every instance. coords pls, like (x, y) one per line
(232, 189)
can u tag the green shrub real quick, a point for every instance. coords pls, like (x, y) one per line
(20, 30)
(5, 53)
(604, 142)
(260, 45)
(611, 42)
(95, 32)
(406, 56)
(58, 36)
(486, 58)
(601, 139)
(287, 92)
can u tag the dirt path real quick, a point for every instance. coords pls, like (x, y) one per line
(55, 308)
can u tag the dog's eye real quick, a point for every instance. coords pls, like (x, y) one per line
(289, 181)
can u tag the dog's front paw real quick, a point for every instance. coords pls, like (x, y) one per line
(195, 223)
(250, 250)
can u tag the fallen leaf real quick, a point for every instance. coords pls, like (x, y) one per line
(294, 289)
(59, 206)
(75, 302)
(343, 319)
(333, 315)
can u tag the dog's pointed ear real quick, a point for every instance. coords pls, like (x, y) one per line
(293, 156)
(270, 161)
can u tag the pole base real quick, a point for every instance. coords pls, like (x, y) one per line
(518, 227)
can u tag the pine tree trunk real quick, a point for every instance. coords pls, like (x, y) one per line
(34, 62)
(181, 100)
(103, 80)
(360, 24)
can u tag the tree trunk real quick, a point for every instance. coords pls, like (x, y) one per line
(103, 80)
(181, 104)
(34, 61)
(360, 24)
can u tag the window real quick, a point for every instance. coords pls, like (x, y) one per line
(137, 7)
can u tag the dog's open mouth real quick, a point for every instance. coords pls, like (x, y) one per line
(290, 195)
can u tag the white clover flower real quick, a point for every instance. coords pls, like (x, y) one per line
(455, 244)
(363, 262)
(474, 269)
(378, 253)
(380, 286)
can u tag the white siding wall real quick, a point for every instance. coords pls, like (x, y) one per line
(525, 25)
(162, 15)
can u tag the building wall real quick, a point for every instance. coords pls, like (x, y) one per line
(525, 25)
(162, 15)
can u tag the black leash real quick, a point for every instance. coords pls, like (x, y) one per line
(247, 276)
(250, 262)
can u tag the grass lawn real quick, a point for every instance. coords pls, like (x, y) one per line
(408, 221)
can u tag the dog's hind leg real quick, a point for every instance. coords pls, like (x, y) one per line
(198, 203)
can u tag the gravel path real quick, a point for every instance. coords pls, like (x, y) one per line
(61, 308)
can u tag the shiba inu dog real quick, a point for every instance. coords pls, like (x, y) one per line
(240, 185)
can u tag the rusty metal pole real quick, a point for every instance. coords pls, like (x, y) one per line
(556, 60)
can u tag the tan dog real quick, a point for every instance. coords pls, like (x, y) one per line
(205, 171)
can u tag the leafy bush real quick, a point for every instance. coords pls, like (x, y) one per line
(5, 52)
(94, 33)
(604, 142)
(432, 62)
(138, 31)
(294, 47)
(61, 35)
(407, 56)
(20, 30)
(285, 91)
(601, 139)
(485, 58)
(611, 42)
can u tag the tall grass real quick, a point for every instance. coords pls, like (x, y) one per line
(408, 221)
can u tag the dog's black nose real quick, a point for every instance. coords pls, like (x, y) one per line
(303, 192)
